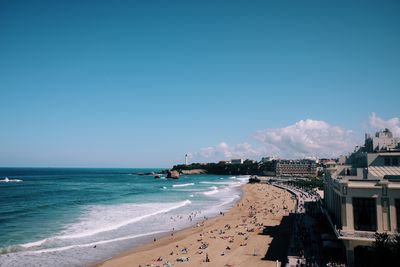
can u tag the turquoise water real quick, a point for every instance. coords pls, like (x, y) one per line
(74, 217)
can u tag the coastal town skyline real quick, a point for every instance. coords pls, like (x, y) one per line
(137, 84)
(303, 139)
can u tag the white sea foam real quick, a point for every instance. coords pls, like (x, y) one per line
(187, 189)
(220, 183)
(93, 243)
(7, 180)
(212, 192)
(235, 184)
(182, 185)
(10, 249)
(35, 244)
(228, 200)
(103, 218)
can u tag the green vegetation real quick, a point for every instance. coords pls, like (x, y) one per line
(385, 251)
(247, 168)
(308, 184)
(387, 248)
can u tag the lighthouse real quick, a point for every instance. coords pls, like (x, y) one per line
(186, 159)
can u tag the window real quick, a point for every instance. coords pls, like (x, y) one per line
(337, 211)
(387, 161)
(395, 161)
(364, 211)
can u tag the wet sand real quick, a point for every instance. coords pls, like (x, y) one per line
(230, 239)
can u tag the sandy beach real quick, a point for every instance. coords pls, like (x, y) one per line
(230, 239)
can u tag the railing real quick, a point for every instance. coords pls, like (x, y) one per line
(358, 234)
(337, 231)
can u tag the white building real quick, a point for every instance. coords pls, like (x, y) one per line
(363, 196)
(382, 141)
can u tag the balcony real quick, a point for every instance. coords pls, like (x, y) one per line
(357, 235)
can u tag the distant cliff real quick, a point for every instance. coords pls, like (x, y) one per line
(193, 171)
(247, 168)
(175, 173)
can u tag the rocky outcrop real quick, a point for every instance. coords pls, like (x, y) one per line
(254, 180)
(173, 174)
(194, 171)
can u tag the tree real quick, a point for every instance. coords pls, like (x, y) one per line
(384, 249)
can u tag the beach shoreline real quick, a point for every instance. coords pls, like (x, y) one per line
(148, 241)
(228, 239)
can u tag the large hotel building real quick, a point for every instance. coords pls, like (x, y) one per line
(296, 168)
(362, 194)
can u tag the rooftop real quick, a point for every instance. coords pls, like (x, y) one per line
(380, 171)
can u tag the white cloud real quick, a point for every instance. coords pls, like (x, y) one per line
(305, 138)
(225, 151)
(378, 123)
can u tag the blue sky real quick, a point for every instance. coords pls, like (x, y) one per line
(141, 83)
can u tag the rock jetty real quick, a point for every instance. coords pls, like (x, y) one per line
(173, 174)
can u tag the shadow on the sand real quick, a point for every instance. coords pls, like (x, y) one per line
(280, 239)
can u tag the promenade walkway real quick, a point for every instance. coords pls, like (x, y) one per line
(303, 246)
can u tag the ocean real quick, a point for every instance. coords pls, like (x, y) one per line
(77, 217)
